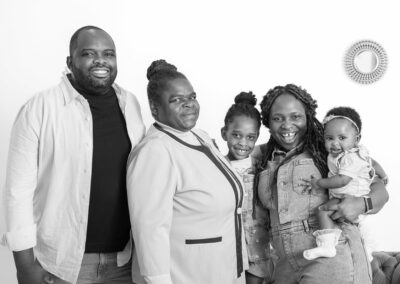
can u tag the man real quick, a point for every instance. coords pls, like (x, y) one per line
(67, 210)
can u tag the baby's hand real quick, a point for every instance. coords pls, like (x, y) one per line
(383, 177)
(311, 185)
(314, 183)
(385, 180)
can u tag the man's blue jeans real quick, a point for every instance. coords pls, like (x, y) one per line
(99, 268)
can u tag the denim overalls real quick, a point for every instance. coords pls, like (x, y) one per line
(292, 217)
(261, 260)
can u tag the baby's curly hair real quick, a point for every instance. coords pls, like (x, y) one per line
(346, 112)
(244, 105)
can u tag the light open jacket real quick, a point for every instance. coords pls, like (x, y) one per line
(185, 201)
(49, 174)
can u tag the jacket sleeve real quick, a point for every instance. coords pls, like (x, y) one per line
(151, 185)
(21, 178)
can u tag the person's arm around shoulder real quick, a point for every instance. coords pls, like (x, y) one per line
(151, 185)
(21, 181)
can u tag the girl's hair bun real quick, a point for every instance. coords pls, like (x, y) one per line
(159, 66)
(246, 98)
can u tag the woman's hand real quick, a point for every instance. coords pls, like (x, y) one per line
(351, 207)
(348, 209)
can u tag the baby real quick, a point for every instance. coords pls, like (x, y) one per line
(351, 172)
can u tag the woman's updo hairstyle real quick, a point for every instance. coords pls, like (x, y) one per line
(244, 105)
(159, 73)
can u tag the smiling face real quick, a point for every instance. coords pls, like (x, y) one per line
(241, 135)
(177, 105)
(287, 121)
(340, 135)
(93, 62)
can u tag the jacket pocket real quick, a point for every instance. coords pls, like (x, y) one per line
(203, 241)
(303, 169)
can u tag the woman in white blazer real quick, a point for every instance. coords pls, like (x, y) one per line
(184, 198)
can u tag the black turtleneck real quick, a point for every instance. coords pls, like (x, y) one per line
(108, 222)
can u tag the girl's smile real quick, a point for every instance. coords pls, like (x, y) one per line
(241, 135)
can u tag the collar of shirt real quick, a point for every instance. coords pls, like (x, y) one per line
(280, 155)
(71, 94)
(186, 136)
(243, 166)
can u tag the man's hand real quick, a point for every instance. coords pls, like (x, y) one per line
(29, 270)
(349, 208)
(31, 274)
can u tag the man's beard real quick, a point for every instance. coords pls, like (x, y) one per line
(98, 84)
(93, 85)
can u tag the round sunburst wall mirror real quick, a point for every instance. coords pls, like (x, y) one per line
(365, 61)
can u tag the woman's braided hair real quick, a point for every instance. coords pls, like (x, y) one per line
(314, 137)
(159, 73)
(244, 105)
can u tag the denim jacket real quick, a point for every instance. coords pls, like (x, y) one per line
(255, 229)
(288, 197)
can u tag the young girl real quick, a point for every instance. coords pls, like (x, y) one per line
(241, 130)
(351, 172)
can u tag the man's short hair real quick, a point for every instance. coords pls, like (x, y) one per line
(73, 43)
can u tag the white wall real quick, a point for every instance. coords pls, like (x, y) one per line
(223, 48)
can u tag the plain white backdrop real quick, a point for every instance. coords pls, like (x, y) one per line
(223, 47)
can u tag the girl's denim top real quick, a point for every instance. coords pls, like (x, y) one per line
(287, 198)
(255, 229)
